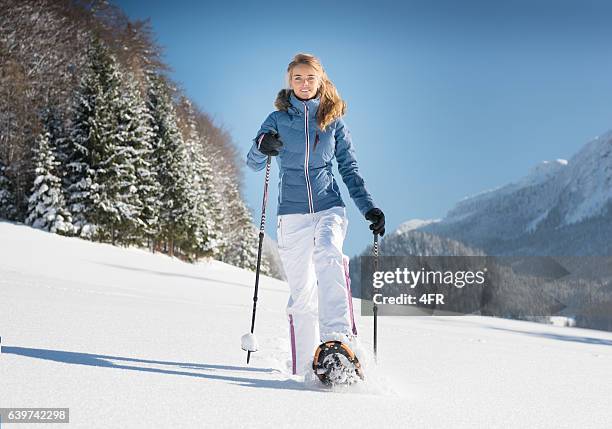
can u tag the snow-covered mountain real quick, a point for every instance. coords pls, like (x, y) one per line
(560, 208)
(125, 338)
(412, 224)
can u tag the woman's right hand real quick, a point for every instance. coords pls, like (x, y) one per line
(269, 144)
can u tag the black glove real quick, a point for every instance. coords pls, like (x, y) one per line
(270, 144)
(377, 217)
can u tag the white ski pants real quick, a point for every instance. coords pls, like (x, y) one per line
(320, 303)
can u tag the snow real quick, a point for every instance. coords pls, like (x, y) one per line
(562, 321)
(248, 342)
(590, 178)
(125, 338)
(413, 224)
(533, 225)
(543, 172)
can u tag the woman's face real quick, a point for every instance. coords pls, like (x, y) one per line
(304, 81)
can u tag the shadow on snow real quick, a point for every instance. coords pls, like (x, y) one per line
(118, 362)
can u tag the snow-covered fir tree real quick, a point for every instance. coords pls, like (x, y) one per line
(46, 205)
(238, 236)
(8, 210)
(117, 208)
(137, 135)
(171, 158)
(130, 182)
(87, 127)
(242, 238)
(204, 235)
(102, 194)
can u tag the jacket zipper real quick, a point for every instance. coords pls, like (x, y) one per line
(306, 157)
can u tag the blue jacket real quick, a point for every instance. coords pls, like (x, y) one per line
(306, 180)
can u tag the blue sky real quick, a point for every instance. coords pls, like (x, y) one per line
(445, 98)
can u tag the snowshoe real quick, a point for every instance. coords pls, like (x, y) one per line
(335, 364)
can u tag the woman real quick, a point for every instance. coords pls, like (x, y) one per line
(305, 134)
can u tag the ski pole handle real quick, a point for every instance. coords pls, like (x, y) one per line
(265, 198)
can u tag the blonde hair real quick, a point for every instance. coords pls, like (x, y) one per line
(331, 105)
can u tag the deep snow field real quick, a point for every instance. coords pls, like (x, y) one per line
(128, 339)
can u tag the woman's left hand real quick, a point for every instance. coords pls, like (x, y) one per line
(377, 217)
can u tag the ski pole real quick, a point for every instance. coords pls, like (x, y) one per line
(375, 307)
(261, 237)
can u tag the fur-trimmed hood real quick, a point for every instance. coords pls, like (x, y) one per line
(282, 100)
(286, 101)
